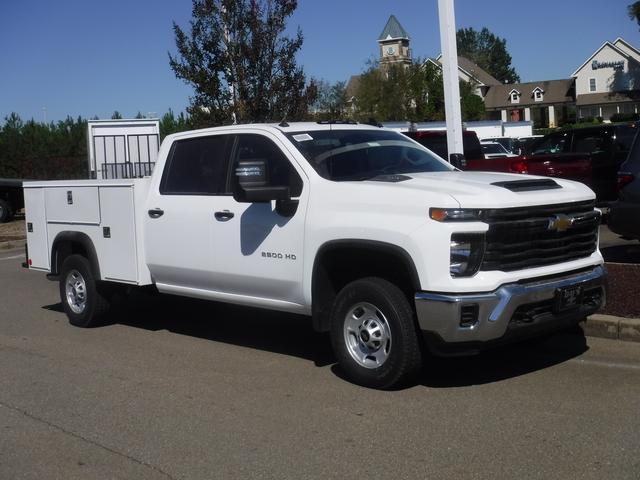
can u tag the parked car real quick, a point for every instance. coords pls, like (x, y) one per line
(436, 141)
(525, 142)
(11, 198)
(510, 144)
(591, 155)
(624, 214)
(495, 150)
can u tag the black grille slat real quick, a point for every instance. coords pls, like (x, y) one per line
(525, 213)
(586, 239)
(520, 238)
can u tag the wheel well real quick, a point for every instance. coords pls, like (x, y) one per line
(73, 243)
(342, 262)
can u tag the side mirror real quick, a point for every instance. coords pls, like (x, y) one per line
(458, 161)
(252, 183)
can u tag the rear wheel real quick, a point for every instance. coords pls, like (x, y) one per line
(373, 334)
(81, 297)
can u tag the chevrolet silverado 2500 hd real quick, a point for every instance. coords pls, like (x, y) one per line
(388, 247)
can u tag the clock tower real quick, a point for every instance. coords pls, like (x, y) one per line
(394, 44)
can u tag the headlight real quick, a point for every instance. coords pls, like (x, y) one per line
(467, 250)
(455, 214)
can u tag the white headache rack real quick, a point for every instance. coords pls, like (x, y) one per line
(122, 148)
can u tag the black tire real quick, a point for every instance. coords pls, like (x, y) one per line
(90, 312)
(6, 213)
(392, 317)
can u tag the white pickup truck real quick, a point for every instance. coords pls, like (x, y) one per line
(388, 247)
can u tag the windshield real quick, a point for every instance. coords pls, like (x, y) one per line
(493, 148)
(343, 155)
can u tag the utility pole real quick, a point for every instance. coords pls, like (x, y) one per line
(449, 62)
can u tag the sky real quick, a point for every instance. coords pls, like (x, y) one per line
(88, 58)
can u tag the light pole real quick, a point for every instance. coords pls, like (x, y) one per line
(449, 62)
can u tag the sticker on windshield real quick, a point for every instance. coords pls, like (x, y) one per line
(302, 137)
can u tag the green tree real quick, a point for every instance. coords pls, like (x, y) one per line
(413, 93)
(116, 115)
(634, 11)
(330, 100)
(240, 63)
(43, 151)
(488, 51)
(170, 124)
(471, 105)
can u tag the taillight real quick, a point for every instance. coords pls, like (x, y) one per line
(624, 179)
(519, 167)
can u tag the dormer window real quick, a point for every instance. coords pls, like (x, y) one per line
(515, 96)
(538, 94)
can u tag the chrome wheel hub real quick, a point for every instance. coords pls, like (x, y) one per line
(367, 335)
(76, 290)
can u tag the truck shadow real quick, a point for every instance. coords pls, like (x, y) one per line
(276, 332)
(505, 362)
(293, 335)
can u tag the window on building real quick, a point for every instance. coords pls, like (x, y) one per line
(515, 96)
(592, 84)
(538, 95)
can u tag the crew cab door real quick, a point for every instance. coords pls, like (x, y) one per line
(201, 242)
(259, 247)
(179, 216)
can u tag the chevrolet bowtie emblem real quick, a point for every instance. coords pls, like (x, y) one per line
(560, 222)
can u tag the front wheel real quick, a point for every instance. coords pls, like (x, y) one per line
(81, 298)
(374, 335)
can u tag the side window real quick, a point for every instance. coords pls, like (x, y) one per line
(555, 143)
(197, 166)
(588, 141)
(281, 172)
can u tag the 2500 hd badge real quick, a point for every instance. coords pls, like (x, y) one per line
(279, 256)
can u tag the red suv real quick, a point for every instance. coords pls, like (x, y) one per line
(590, 155)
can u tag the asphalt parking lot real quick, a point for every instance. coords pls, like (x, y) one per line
(184, 389)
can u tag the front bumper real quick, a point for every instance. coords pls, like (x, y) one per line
(513, 311)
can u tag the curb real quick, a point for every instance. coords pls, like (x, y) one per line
(616, 328)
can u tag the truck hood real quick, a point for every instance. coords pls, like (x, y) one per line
(492, 189)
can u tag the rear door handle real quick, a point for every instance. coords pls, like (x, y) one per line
(156, 213)
(223, 216)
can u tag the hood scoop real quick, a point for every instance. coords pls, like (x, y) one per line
(528, 185)
(391, 178)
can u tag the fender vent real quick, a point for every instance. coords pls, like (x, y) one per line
(528, 185)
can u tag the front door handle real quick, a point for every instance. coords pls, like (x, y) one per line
(223, 216)
(156, 213)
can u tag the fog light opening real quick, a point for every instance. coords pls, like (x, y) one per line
(469, 315)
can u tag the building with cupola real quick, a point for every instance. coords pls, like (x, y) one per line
(605, 86)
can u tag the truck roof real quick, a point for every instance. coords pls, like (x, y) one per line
(284, 127)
